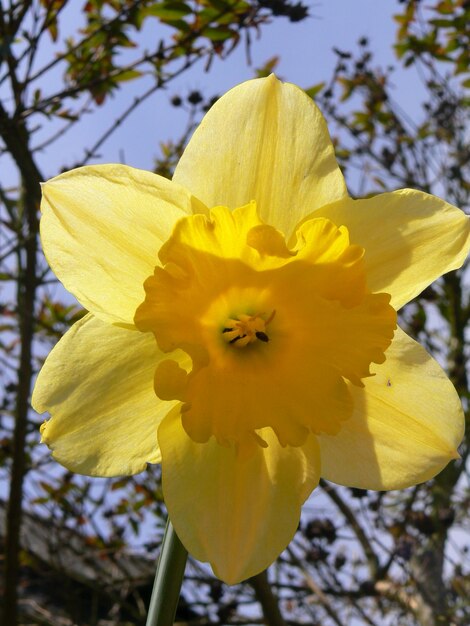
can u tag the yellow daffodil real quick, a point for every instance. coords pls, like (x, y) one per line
(242, 327)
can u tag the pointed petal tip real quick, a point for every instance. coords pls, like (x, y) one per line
(273, 78)
(406, 428)
(410, 238)
(42, 431)
(265, 492)
(267, 140)
(234, 578)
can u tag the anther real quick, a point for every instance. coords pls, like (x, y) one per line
(235, 339)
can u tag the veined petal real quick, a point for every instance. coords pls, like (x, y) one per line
(102, 227)
(406, 426)
(236, 511)
(410, 238)
(263, 141)
(97, 384)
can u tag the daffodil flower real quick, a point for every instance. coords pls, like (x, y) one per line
(242, 327)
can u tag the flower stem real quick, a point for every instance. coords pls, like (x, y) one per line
(168, 580)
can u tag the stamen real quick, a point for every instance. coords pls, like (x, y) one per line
(271, 317)
(237, 338)
(262, 336)
(246, 329)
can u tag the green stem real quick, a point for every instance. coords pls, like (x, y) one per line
(168, 580)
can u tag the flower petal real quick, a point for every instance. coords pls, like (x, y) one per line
(406, 426)
(263, 141)
(236, 511)
(101, 230)
(410, 238)
(97, 383)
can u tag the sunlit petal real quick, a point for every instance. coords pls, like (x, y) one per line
(406, 426)
(101, 229)
(264, 141)
(410, 239)
(97, 384)
(236, 511)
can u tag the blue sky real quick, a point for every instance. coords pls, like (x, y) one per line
(306, 58)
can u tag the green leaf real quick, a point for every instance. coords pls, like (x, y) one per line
(441, 23)
(128, 75)
(446, 7)
(180, 25)
(314, 90)
(222, 5)
(170, 11)
(219, 34)
(268, 67)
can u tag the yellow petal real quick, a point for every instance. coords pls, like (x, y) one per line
(263, 141)
(406, 425)
(101, 229)
(97, 384)
(410, 238)
(237, 512)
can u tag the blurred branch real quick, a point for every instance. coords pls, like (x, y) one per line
(316, 589)
(91, 152)
(350, 517)
(267, 600)
(16, 140)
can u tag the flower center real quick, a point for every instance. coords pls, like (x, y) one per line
(275, 334)
(246, 329)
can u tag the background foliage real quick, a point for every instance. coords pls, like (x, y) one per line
(81, 551)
